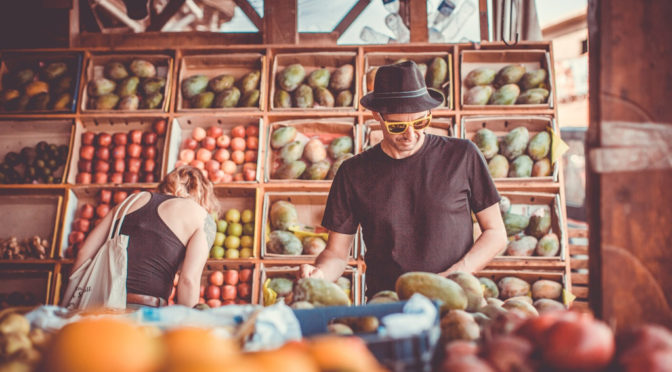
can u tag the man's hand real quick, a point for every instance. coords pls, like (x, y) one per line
(310, 271)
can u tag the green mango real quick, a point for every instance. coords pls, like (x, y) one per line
(323, 97)
(521, 167)
(423, 69)
(319, 78)
(545, 305)
(534, 96)
(250, 81)
(24, 76)
(131, 102)
(317, 171)
(539, 145)
(39, 102)
(542, 168)
(227, 98)
(152, 101)
(343, 99)
(281, 286)
(540, 224)
(284, 242)
(515, 143)
(384, 297)
(115, 71)
(340, 146)
(202, 100)
(314, 151)
(106, 102)
(291, 152)
(480, 76)
(101, 86)
(220, 83)
(533, 79)
(337, 164)
(510, 74)
(546, 289)
(62, 85)
(282, 136)
(290, 78)
(54, 70)
(142, 68)
(486, 141)
(515, 223)
(437, 72)
(250, 99)
(472, 288)
(282, 99)
(319, 292)
(194, 85)
(548, 245)
(303, 96)
(342, 78)
(153, 85)
(292, 170)
(490, 289)
(524, 246)
(478, 95)
(128, 87)
(433, 286)
(62, 102)
(283, 215)
(498, 166)
(506, 95)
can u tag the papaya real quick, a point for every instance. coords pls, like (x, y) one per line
(524, 246)
(319, 292)
(282, 99)
(292, 170)
(142, 68)
(472, 288)
(498, 167)
(317, 171)
(548, 245)
(284, 242)
(283, 215)
(342, 78)
(314, 151)
(323, 97)
(539, 145)
(542, 168)
(282, 136)
(337, 164)
(510, 74)
(343, 99)
(194, 85)
(548, 289)
(432, 286)
(505, 95)
(319, 78)
(303, 96)
(250, 81)
(512, 287)
(291, 152)
(480, 76)
(340, 146)
(490, 289)
(221, 83)
(291, 76)
(540, 224)
(281, 286)
(227, 98)
(478, 95)
(115, 71)
(532, 79)
(521, 167)
(436, 73)
(515, 223)
(515, 142)
(486, 141)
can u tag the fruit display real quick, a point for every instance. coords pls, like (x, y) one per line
(306, 156)
(224, 287)
(235, 235)
(221, 91)
(90, 214)
(13, 248)
(529, 228)
(222, 156)
(121, 157)
(43, 163)
(41, 84)
(281, 284)
(511, 84)
(16, 298)
(130, 84)
(305, 87)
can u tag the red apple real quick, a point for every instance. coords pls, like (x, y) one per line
(238, 131)
(148, 177)
(102, 166)
(223, 141)
(198, 133)
(252, 130)
(250, 166)
(252, 143)
(119, 196)
(226, 178)
(238, 144)
(212, 292)
(231, 277)
(229, 292)
(105, 196)
(118, 165)
(102, 210)
(203, 155)
(250, 156)
(99, 178)
(238, 157)
(103, 153)
(209, 143)
(81, 224)
(197, 164)
(249, 174)
(84, 165)
(119, 152)
(104, 139)
(187, 155)
(238, 177)
(216, 176)
(216, 278)
(229, 167)
(134, 150)
(190, 144)
(130, 177)
(243, 290)
(211, 165)
(135, 136)
(149, 138)
(213, 303)
(84, 178)
(149, 152)
(120, 139)
(245, 275)
(86, 152)
(76, 237)
(221, 155)
(214, 131)
(88, 138)
(148, 165)
(134, 165)
(159, 127)
(117, 177)
(86, 211)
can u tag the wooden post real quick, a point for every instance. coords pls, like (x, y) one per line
(418, 15)
(629, 211)
(280, 22)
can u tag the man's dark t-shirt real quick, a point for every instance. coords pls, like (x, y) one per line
(415, 212)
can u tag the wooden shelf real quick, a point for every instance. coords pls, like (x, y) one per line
(31, 261)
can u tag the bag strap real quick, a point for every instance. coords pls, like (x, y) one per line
(125, 205)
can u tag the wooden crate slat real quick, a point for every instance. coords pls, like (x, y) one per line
(579, 264)
(578, 249)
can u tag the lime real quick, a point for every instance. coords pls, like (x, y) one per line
(235, 229)
(232, 215)
(217, 252)
(219, 239)
(222, 225)
(232, 253)
(232, 242)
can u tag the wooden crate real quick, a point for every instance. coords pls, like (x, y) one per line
(290, 271)
(372, 132)
(95, 66)
(531, 277)
(24, 215)
(181, 127)
(240, 199)
(211, 65)
(13, 61)
(377, 59)
(113, 125)
(531, 59)
(17, 134)
(311, 62)
(501, 125)
(28, 280)
(326, 130)
(222, 266)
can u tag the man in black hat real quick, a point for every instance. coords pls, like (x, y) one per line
(413, 193)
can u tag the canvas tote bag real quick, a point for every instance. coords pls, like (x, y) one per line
(101, 280)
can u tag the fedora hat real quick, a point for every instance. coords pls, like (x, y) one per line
(400, 88)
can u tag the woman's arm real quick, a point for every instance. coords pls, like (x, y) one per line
(198, 250)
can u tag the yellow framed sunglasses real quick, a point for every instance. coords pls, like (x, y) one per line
(400, 127)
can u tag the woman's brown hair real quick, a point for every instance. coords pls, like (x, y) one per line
(189, 182)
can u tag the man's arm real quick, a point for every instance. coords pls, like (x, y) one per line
(330, 264)
(487, 246)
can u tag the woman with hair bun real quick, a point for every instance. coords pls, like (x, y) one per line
(169, 230)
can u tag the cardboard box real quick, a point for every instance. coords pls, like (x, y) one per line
(289, 272)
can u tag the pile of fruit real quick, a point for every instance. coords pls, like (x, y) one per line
(515, 155)
(235, 235)
(529, 235)
(318, 158)
(127, 86)
(121, 157)
(15, 249)
(90, 216)
(436, 75)
(489, 87)
(21, 347)
(306, 293)
(322, 88)
(16, 298)
(226, 287)
(38, 86)
(40, 164)
(222, 157)
(222, 91)
(283, 217)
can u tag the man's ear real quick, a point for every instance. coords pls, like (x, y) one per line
(377, 116)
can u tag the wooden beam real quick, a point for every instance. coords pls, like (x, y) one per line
(351, 16)
(251, 13)
(280, 22)
(483, 19)
(318, 38)
(160, 20)
(158, 40)
(418, 21)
